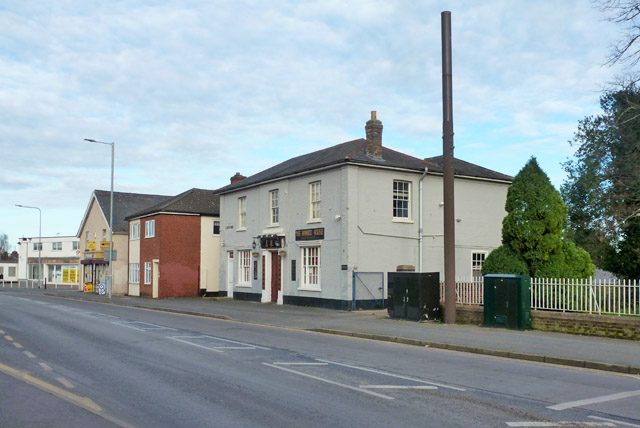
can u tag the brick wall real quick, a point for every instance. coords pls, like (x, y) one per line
(177, 245)
(566, 322)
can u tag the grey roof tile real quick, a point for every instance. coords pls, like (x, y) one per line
(193, 201)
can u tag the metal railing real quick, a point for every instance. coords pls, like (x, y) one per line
(35, 283)
(593, 296)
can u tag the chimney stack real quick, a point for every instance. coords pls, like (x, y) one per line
(374, 137)
(237, 178)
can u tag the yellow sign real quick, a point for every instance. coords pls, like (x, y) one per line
(88, 287)
(104, 244)
(91, 245)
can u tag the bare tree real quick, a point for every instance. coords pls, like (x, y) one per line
(627, 14)
(4, 246)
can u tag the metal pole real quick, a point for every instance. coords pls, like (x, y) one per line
(110, 284)
(448, 173)
(39, 243)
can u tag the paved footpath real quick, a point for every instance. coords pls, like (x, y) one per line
(615, 355)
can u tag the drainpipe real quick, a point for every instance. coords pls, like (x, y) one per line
(420, 229)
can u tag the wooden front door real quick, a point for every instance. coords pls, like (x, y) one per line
(275, 276)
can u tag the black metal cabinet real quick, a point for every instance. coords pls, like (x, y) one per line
(414, 296)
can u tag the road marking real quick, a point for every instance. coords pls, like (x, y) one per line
(614, 421)
(299, 364)
(84, 402)
(398, 387)
(353, 388)
(17, 345)
(595, 400)
(98, 315)
(65, 382)
(560, 424)
(392, 375)
(45, 366)
(29, 354)
(145, 326)
(242, 345)
(1, 331)
(9, 338)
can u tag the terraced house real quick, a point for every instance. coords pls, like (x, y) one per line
(295, 233)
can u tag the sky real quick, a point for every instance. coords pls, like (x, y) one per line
(193, 91)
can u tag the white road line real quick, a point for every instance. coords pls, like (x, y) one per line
(299, 364)
(17, 345)
(145, 326)
(398, 387)
(595, 400)
(177, 339)
(45, 366)
(392, 375)
(614, 421)
(29, 354)
(560, 424)
(241, 346)
(353, 388)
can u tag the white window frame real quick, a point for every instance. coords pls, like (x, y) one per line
(56, 246)
(37, 246)
(242, 213)
(244, 268)
(12, 271)
(150, 228)
(147, 273)
(134, 231)
(310, 272)
(75, 245)
(475, 258)
(274, 207)
(401, 196)
(315, 201)
(134, 273)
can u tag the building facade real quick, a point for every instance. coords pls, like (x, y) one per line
(174, 247)
(59, 257)
(297, 232)
(93, 235)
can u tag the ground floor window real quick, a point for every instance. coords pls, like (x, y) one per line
(244, 266)
(477, 259)
(12, 271)
(134, 272)
(311, 267)
(147, 272)
(63, 274)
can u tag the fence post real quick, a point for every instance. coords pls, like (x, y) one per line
(590, 294)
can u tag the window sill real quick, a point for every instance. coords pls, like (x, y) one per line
(307, 288)
(403, 220)
(318, 220)
(241, 229)
(247, 285)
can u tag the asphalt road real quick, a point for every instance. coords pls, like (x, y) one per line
(68, 363)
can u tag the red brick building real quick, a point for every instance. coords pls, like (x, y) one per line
(174, 247)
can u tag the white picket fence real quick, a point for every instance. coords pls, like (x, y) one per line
(599, 296)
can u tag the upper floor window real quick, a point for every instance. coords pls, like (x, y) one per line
(149, 228)
(216, 227)
(315, 190)
(242, 212)
(86, 235)
(56, 246)
(274, 207)
(75, 245)
(104, 234)
(37, 246)
(134, 231)
(401, 199)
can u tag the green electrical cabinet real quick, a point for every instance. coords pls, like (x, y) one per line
(414, 296)
(507, 301)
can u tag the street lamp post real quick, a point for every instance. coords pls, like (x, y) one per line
(109, 287)
(39, 242)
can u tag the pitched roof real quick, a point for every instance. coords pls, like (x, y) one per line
(354, 152)
(124, 204)
(193, 201)
(468, 169)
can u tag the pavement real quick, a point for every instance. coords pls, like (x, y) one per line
(614, 355)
